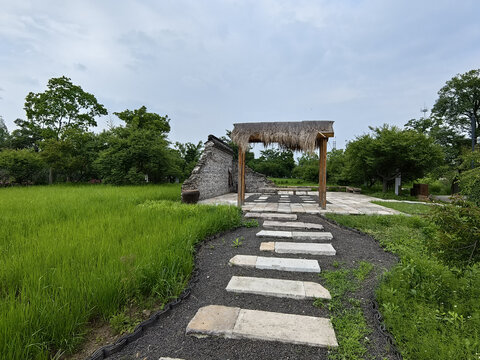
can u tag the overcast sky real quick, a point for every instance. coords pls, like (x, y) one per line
(209, 64)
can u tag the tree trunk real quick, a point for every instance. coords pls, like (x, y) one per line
(50, 176)
(384, 181)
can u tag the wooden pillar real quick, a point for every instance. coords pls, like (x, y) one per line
(322, 174)
(241, 177)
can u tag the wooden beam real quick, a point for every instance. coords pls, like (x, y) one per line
(241, 177)
(322, 174)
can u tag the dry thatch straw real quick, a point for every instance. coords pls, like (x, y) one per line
(297, 136)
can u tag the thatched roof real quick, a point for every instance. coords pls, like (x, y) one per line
(298, 135)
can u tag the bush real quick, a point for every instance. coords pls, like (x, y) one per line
(455, 236)
(470, 185)
(21, 167)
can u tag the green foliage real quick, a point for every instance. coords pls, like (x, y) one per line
(4, 136)
(190, 154)
(470, 184)
(274, 162)
(21, 167)
(250, 223)
(347, 316)
(73, 254)
(307, 168)
(456, 235)
(431, 309)
(61, 107)
(292, 182)
(138, 150)
(459, 101)
(389, 152)
(237, 242)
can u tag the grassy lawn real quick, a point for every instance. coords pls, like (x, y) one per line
(432, 310)
(72, 254)
(413, 209)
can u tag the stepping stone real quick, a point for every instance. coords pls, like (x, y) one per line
(274, 263)
(277, 287)
(169, 358)
(271, 216)
(298, 248)
(268, 224)
(236, 323)
(295, 235)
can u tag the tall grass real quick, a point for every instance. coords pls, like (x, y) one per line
(72, 254)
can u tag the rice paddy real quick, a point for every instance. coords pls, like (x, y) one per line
(71, 254)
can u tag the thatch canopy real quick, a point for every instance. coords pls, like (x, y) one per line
(298, 135)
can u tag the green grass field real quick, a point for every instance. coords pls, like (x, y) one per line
(71, 254)
(408, 208)
(431, 309)
(292, 182)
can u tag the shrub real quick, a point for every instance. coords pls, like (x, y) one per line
(455, 238)
(21, 167)
(470, 185)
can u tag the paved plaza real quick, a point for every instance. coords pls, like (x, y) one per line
(286, 202)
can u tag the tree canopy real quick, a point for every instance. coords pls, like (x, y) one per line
(389, 152)
(459, 101)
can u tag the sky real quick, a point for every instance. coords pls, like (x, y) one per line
(209, 64)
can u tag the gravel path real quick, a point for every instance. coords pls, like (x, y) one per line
(167, 337)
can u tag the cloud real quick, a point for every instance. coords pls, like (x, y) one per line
(211, 64)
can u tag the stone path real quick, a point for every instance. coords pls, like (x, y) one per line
(238, 323)
(263, 309)
(298, 248)
(277, 287)
(295, 235)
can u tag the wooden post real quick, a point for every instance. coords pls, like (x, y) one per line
(241, 177)
(322, 174)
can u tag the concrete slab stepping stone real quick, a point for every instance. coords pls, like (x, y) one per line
(236, 323)
(298, 248)
(277, 287)
(268, 224)
(295, 235)
(274, 263)
(271, 216)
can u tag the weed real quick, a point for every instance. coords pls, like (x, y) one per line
(236, 243)
(347, 315)
(250, 223)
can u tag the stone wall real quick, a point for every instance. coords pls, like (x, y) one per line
(254, 181)
(212, 176)
(216, 172)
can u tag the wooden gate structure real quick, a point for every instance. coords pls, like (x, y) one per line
(306, 136)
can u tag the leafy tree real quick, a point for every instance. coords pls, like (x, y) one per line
(61, 107)
(307, 168)
(189, 153)
(138, 151)
(249, 155)
(459, 102)
(389, 152)
(443, 134)
(4, 136)
(274, 162)
(21, 167)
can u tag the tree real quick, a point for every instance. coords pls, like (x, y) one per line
(390, 152)
(21, 167)
(4, 136)
(63, 109)
(139, 151)
(274, 162)
(459, 103)
(443, 134)
(307, 168)
(189, 153)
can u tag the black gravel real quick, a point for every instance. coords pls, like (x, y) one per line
(167, 338)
